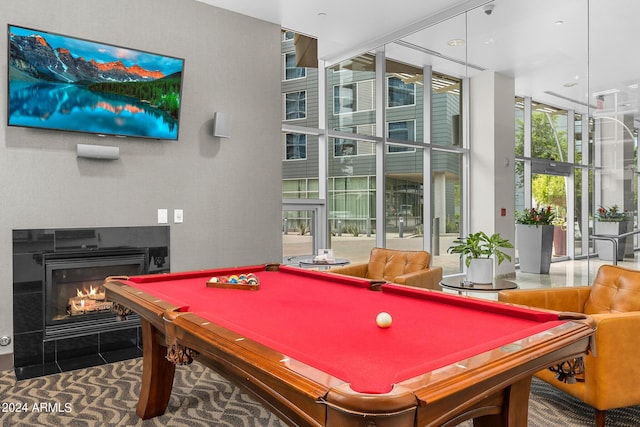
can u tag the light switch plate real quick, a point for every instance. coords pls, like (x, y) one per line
(163, 216)
(178, 216)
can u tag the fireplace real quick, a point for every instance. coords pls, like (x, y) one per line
(61, 319)
(74, 294)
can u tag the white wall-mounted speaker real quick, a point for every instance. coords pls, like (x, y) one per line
(222, 125)
(101, 152)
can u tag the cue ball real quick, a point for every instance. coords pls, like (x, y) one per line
(383, 320)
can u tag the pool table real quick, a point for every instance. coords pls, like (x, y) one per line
(306, 345)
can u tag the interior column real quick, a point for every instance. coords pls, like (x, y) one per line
(492, 153)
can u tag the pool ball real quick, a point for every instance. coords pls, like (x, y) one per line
(383, 319)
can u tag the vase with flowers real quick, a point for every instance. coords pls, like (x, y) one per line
(534, 239)
(611, 221)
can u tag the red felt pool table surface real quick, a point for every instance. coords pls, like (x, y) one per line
(331, 324)
(327, 321)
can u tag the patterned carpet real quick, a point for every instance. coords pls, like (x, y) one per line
(107, 395)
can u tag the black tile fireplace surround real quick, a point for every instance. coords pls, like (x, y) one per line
(61, 321)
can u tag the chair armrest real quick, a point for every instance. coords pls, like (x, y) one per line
(611, 368)
(557, 299)
(357, 270)
(612, 372)
(427, 279)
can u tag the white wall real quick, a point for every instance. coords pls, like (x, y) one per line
(229, 189)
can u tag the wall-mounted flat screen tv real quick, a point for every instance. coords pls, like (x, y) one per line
(66, 83)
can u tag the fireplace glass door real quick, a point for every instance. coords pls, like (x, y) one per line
(74, 286)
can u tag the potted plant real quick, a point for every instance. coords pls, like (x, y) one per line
(534, 238)
(477, 248)
(611, 221)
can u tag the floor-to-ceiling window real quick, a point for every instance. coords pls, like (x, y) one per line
(551, 170)
(447, 162)
(404, 164)
(580, 222)
(302, 219)
(351, 157)
(545, 167)
(403, 149)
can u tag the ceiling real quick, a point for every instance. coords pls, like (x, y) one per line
(340, 26)
(564, 53)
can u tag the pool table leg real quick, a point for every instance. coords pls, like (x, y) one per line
(157, 375)
(515, 407)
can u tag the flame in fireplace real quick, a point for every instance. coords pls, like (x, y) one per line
(88, 300)
(92, 292)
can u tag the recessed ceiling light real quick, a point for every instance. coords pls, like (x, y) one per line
(559, 22)
(455, 42)
(322, 14)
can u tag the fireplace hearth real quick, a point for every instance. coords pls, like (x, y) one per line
(62, 320)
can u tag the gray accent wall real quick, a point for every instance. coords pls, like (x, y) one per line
(229, 189)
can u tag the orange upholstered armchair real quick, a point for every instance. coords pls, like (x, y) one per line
(409, 268)
(612, 371)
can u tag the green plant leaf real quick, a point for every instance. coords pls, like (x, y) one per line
(480, 245)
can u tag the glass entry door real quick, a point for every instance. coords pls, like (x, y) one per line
(552, 184)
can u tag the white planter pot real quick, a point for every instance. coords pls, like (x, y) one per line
(604, 248)
(535, 245)
(480, 270)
